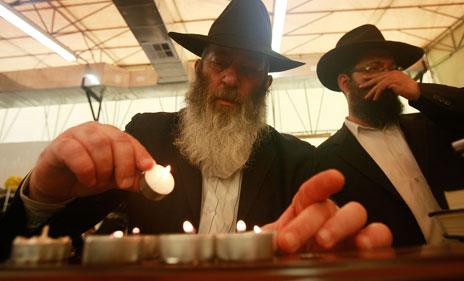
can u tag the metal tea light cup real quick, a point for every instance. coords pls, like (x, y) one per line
(245, 246)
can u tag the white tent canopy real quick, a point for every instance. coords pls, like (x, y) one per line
(98, 34)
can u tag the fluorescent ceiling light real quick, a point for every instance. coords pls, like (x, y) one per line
(280, 11)
(91, 80)
(18, 20)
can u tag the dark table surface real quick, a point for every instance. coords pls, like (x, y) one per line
(420, 263)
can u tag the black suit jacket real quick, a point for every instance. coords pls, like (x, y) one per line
(430, 144)
(273, 174)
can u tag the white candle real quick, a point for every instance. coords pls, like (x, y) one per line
(112, 249)
(186, 247)
(149, 247)
(40, 248)
(157, 182)
(245, 246)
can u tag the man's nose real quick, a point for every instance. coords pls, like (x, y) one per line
(230, 77)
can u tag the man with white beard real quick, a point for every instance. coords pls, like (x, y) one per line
(227, 163)
(206, 121)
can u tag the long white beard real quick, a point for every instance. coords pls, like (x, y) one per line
(219, 140)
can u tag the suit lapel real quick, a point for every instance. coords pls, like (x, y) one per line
(189, 179)
(350, 150)
(254, 175)
(418, 141)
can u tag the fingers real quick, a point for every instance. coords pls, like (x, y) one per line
(76, 158)
(379, 83)
(98, 156)
(304, 226)
(399, 82)
(97, 146)
(117, 156)
(347, 221)
(143, 161)
(317, 189)
(124, 159)
(375, 235)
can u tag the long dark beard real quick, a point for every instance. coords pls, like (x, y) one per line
(377, 114)
(216, 138)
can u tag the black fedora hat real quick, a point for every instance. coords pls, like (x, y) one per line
(244, 24)
(357, 42)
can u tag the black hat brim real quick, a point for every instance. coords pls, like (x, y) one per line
(340, 59)
(196, 43)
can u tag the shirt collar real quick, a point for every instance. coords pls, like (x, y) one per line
(356, 128)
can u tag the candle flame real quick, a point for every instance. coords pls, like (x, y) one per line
(241, 226)
(135, 230)
(188, 227)
(167, 169)
(117, 234)
(45, 231)
(257, 229)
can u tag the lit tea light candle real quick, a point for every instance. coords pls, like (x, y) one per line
(188, 227)
(186, 247)
(135, 230)
(117, 234)
(241, 226)
(40, 249)
(112, 249)
(149, 247)
(157, 182)
(245, 246)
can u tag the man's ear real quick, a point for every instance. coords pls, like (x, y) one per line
(269, 81)
(342, 80)
(197, 66)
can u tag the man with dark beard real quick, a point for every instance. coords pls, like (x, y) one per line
(227, 163)
(395, 165)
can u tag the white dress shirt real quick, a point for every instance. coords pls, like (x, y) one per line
(219, 204)
(391, 152)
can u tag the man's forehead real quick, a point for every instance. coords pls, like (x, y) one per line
(233, 52)
(375, 55)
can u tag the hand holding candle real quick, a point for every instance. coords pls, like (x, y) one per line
(157, 182)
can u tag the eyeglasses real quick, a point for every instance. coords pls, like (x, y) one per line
(375, 68)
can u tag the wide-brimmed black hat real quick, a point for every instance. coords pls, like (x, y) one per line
(353, 45)
(244, 24)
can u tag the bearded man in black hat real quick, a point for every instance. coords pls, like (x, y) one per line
(227, 163)
(396, 165)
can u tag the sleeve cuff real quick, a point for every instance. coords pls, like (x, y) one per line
(38, 212)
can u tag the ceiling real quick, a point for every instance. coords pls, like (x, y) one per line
(97, 33)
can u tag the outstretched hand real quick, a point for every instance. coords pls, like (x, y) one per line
(313, 222)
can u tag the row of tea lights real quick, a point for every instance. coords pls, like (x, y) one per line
(185, 247)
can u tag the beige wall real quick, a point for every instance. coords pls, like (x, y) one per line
(448, 69)
(17, 159)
